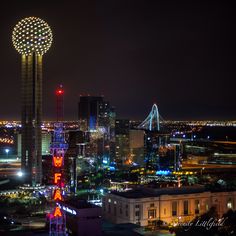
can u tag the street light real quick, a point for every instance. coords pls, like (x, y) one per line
(7, 151)
(20, 173)
(179, 219)
(203, 168)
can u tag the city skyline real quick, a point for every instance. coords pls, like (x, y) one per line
(177, 55)
(117, 118)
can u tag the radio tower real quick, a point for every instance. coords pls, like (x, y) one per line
(60, 103)
(58, 149)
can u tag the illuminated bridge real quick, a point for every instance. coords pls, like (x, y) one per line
(152, 122)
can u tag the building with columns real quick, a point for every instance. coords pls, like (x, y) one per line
(144, 206)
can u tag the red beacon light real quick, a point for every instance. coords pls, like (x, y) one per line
(59, 91)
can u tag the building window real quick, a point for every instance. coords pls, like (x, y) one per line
(104, 206)
(197, 206)
(174, 208)
(186, 207)
(229, 204)
(137, 213)
(115, 210)
(164, 211)
(152, 205)
(126, 213)
(152, 214)
(136, 206)
(121, 212)
(109, 208)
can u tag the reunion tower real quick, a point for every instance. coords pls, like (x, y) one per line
(32, 37)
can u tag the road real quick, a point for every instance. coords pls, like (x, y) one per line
(9, 169)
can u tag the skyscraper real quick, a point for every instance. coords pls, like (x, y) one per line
(32, 37)
(89, 112)
(122, 128)
(97, 117)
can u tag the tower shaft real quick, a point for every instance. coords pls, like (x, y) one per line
(60, 104)
(31, 118)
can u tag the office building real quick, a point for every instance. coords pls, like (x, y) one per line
(122, 127)
(97, 117)
(136, 142)
(89, 112)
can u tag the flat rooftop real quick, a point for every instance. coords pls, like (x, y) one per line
(78, 203)
(154, 192)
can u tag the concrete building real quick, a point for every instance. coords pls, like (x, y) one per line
(45, 146)
(172, 205)
(122, 141)
(136, 145)
(82, 218)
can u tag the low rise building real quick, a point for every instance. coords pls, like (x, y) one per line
(145, 206)
(82, 218)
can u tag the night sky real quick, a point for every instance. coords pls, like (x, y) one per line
(179, 55)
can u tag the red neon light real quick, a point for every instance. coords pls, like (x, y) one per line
(57, 161)
(57, 212)
(57, 195)
(57, 177)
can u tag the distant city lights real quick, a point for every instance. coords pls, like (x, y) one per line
(163, 172)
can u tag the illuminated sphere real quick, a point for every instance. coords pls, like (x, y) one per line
(32, 35)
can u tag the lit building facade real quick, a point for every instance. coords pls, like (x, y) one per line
(173, 205)
(97, 117)
(136, 142)
(122, 128)
(159, 153)
(88, 114)
(152, 143)
(129, 144)
(46, 140)
(8, 143)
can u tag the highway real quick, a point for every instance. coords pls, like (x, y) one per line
(207, 166)
(9, 169)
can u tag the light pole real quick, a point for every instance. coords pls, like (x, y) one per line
(202, 170)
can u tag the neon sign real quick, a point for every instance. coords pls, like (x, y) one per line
(57, 195)
(67, 209)
(57, 212)
(57, 161)
(57, 178)
(58, 148)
